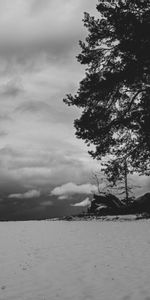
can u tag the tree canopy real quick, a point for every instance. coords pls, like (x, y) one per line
(115, 93)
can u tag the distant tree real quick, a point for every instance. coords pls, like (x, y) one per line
(102, 181)
(95, 177)
(115, 179)
(117, 172)
(115, 93)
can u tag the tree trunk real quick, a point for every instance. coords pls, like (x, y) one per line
(126, 181)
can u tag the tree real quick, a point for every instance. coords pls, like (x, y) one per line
(115, 92)
(95, 177)
(115, 178)
(117, 171)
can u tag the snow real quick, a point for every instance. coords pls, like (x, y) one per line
(92, 260)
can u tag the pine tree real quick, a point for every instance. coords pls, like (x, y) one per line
(115, 93)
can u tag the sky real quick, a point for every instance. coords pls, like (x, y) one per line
(38, 67)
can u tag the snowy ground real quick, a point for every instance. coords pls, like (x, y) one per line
(43, 260)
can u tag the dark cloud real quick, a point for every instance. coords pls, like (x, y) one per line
(41, 168)
(50, 38)
(4, 117)
(12, 88)
(41, 32)
(38, 6)
(3, 133)
(34, 107)
(48, 112)
(8, 151)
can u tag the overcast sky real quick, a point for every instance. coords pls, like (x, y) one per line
(38, 66)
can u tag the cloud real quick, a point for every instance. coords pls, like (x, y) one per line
(12, 88)
(72, 188)
(34, 33)
(83, 203)
(27, 195)
(44, 164)
(38, 6)
(47, 112)
(38, 46)
(4, 118)
(3, 133)
(34, 107)
(46, 203)
(63, 197)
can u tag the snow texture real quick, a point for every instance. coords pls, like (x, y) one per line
(92, 260)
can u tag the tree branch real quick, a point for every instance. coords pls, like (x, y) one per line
(132, 100)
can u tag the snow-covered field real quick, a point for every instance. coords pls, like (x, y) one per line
(75, 260)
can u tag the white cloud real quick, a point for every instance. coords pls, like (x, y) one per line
(27, 195)
(83, 203)
(64, 197)
(72, 188)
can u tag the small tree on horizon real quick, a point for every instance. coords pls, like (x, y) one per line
(117, 173)
(114, 176)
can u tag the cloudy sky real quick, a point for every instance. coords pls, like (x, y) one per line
(38, 149)
(38, 48)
